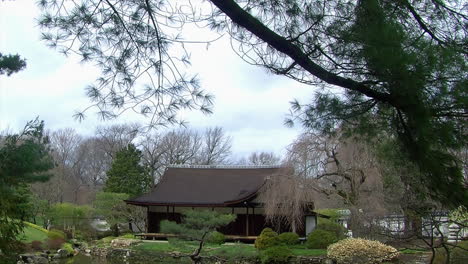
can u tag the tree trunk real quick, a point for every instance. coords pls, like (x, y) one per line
(355, 222)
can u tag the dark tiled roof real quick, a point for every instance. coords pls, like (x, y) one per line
(202, 186)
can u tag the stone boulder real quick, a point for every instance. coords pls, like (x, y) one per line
(33, 259)
(124, 242)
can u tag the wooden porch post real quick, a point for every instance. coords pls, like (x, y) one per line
(247, 222)
(147, 219)
(253, 220)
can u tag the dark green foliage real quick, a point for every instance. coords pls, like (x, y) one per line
(113, 208)
(288, 238)
(70, 217)
(417, 96)
(126, 174)
(338, 230)
(320, 239)
(275, 255)
(54, 234)
(197, 225)
(216, 237)
(24, 158)
(267, 238)
(10, 64)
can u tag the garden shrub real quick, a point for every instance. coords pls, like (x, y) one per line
(458, 255)
(267, 238)
(288, 238)
(357, 250)
(54, 234)
(237, 253)
(216, 237)
(68, 247)
(275, 255)
(320, 239)
(36, 245)
(330, 226)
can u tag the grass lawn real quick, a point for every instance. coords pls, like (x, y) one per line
(229, 250)
(30, 234)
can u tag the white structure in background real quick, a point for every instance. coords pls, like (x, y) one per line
(100, 225)
(310, 223)
(437, 225)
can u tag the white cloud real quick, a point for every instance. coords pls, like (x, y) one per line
(249, 103)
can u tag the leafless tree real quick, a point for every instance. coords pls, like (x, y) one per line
(181, 146)
(114, 138)
(184, 146)
(65, 144)
(95, 161)
(339, 167)
(152, 153)
(286, 198)
(216, 147)
(261, 158)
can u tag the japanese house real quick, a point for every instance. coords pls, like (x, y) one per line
(226, 189)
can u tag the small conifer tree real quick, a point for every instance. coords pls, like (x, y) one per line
(126, 174)
(195, 226)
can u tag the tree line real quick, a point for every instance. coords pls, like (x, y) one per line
(83, 163)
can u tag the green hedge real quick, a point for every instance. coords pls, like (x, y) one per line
(320, 239)
(275, 255)
(288, 238)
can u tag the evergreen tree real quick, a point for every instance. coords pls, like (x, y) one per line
(24, 158)
(195, 226)
(126, 174)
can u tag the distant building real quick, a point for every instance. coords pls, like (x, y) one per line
(226, 189)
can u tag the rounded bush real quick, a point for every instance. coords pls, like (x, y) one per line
(288, 238)
(55, 234)
(320, 239)
(357, 250)
(69, 248)
(268, 238)
(330, 226)
(216, 237)
(275, 255)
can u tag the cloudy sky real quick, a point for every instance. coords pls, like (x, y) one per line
(250, 104)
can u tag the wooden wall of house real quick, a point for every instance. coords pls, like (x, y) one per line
(256, 222)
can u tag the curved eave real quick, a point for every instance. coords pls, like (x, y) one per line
(185, 204)
(241, 200)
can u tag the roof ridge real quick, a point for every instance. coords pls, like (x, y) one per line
(187, 166)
